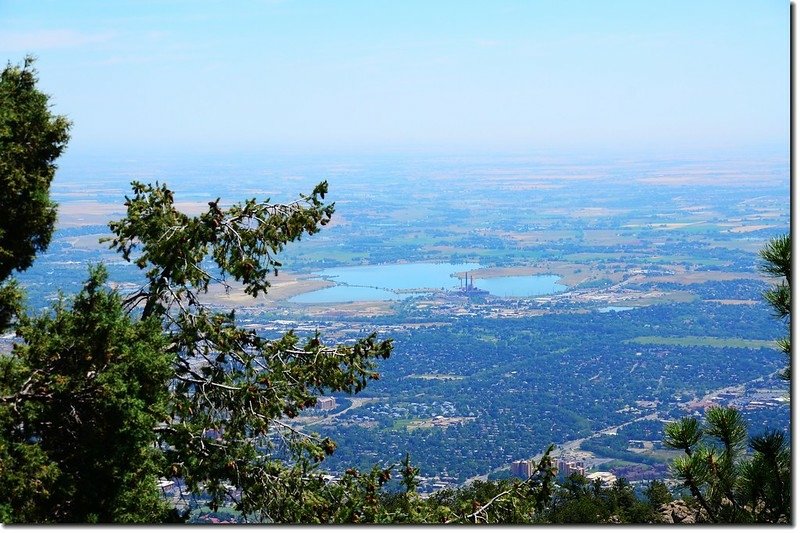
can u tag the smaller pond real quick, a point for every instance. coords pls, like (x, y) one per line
(520, 286)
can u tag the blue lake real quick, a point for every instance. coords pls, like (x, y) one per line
(518, 286)
(388, 282)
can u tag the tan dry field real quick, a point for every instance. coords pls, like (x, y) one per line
(352, 309)
(677, 225)
(438, 422)
(90, 212)
(692, 175)
(337, 220)
(88, 242)
(283, 287)
(684, 277)
(570, 273)
(748, 229)
(674, 296)
(87, 213)
(586, 212)
(525, 238)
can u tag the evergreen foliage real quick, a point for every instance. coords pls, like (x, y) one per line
(31, 139)
(657, 493)
(730, 486)
(579, 501)
(777, 262)
(81, 398)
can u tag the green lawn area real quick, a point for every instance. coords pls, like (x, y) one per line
(597, 256)
(687, 259)
(713, 342)
(402, 423)
(331, 254)
(613, 463)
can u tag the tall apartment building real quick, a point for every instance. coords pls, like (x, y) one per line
(566, 468)
(521, 469)
(326, 403)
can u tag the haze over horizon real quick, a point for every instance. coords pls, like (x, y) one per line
(362, 76)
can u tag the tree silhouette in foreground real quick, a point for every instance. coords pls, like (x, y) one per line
(730, 485)
(777, 262)
(222, 422)
(31, 139)
(81, 397)
(89, 375)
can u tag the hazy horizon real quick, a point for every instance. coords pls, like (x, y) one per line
(355, 77)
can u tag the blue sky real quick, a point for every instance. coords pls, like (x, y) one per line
(392, 75)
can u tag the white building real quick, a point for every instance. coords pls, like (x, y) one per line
(606, 478)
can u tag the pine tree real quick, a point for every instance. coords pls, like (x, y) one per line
(730, 485)
(777, 262)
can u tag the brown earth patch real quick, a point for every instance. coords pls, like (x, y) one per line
(87, 213)
(677, 225)
(283, 287)
(689, 278)
(587, 212)
(89, 242)
(352, 309)
(570, 273)
(748, 229)
(534, 237)
(90, 212)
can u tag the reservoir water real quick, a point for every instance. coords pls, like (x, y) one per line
(519, 286)
(398, 281)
